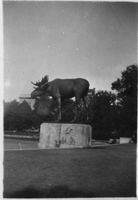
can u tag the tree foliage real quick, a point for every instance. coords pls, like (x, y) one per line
(102, 114)
(11, 115)
(126, 88)
(19, 116)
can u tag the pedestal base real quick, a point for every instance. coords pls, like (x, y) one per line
(58, 135)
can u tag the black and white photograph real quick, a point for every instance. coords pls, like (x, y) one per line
(69, 99)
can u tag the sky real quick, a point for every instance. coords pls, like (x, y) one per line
(92, 40)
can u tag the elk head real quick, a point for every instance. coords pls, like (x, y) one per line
(39, 89)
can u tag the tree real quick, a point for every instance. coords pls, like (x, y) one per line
(102, 114)
(126, 88)
(10, 115)
(24, 114)
(19, 116)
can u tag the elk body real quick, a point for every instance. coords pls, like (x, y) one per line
(60, 89)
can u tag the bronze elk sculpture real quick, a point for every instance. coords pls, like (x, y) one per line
(60, 89)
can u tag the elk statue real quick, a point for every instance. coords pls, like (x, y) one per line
(60, 89)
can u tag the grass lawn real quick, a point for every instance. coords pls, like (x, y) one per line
(100, 172)
(11, 144)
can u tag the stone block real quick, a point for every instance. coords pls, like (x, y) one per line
(54, 135)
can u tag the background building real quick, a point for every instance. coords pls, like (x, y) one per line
(28, 99)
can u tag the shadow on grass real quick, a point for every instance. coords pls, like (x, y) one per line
(53, 192)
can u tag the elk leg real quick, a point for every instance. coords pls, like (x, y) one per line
(77, 99)
(85, 102)
(59, 108)
(85, 106)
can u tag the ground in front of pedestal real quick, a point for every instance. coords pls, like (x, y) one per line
(102, 172)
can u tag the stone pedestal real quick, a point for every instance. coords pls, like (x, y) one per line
(58, 135)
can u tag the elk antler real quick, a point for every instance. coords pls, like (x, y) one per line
(36, 84)
(44, 85)
(43, 81)
(33, 83)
